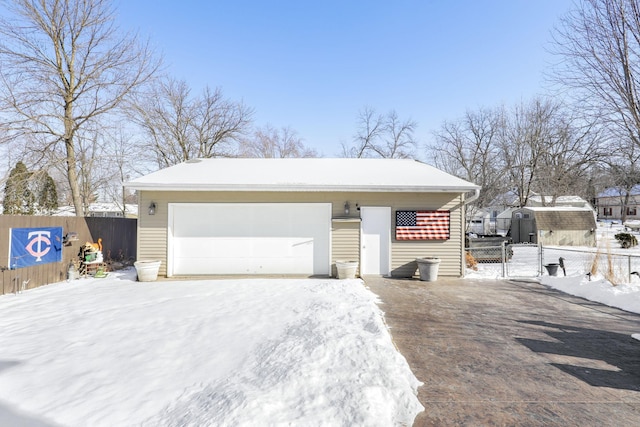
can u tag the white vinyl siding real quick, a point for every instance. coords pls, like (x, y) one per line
(152, 230)
(345, 241)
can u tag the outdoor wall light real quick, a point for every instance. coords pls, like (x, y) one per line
(152, 208)
(347, 208)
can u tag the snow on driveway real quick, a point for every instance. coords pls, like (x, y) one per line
(194, 353)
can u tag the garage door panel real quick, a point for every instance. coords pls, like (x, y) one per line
(254, 265)
(195, 266)
(250, 238)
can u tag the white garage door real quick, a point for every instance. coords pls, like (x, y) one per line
(249, 238)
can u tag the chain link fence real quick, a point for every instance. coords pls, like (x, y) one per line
(524, 260)
(614, 265)
(495, 258)
(528, 260)
(488, 258)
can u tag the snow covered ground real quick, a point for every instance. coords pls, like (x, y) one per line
(625, 295)
(194, 353)
(226, 352)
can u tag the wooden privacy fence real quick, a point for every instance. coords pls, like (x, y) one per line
(118, 236)
(118, 241)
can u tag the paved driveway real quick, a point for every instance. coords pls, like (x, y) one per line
(513, 353)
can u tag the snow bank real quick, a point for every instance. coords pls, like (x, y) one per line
(118, 352)
(625, 296)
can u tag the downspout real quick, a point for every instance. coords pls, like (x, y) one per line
(472, 198)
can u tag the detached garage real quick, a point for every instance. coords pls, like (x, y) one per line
(300, 216)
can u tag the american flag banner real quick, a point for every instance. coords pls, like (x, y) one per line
(422, 225)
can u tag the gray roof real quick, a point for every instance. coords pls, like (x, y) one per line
(618, 192)
(563, 219)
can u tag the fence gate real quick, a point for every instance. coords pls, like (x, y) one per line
(522, 260)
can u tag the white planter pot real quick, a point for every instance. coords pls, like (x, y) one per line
(347, 269)
(428, 268)
(147, 270)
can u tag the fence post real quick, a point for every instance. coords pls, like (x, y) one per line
(504, 258)
(540, 249)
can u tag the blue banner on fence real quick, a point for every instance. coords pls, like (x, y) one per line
(35, 246)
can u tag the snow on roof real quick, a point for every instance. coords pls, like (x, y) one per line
(317, 174)
(131, 209)
(617, 191)
(556, 208)
(559, 199)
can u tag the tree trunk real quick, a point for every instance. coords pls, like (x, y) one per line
(623, 209)
(70, 151)
(72, 174)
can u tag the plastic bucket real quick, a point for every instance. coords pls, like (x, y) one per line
(147, 270)
(347, 269)
(552, 269)
(428, 268)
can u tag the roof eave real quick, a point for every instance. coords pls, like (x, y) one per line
(299, 188)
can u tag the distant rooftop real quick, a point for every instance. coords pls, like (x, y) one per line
(99, 209)
(617, 191)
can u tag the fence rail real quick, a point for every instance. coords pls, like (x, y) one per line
(531, 260)
(118, 237)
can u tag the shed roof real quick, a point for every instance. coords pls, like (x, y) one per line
(316, 174)
(563, 218)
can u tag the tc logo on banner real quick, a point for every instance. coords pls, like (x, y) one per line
(34, 246)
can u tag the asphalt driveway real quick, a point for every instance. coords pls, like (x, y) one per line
(513, 353)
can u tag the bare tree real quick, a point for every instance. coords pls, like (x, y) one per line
(180, 127)
(566, 159)
(623, 170)
(599, 47)
(122, 167)
(64, 66)
(535, 147)
(370, 127)
(218, 123)
(384, 136)
(269, 142)
(470, 149)
(544, 151)
(397, 141)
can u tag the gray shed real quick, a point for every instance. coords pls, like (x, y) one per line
(554, 226)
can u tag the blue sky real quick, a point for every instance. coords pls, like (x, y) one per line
(313, 65)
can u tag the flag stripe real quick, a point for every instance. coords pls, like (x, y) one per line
(422, 225)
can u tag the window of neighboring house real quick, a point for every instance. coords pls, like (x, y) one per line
(607, 211)
(631, 211)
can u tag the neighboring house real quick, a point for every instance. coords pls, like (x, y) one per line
(98, 209)
(554, 226)
(611, 204)
(300, 216)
